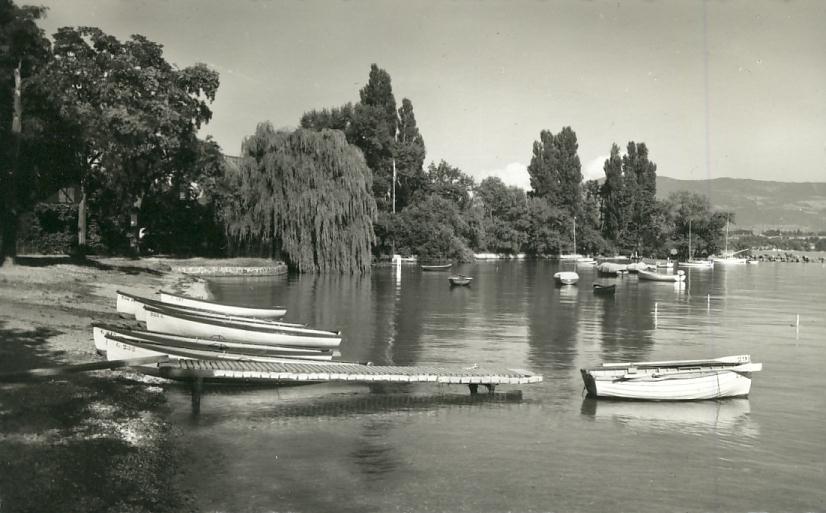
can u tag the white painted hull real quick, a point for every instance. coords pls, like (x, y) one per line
(140, 314)
(127, 305)
(682, 384)
(566, 277)
(652, 276)
(730, 260)
(702, 264)
(102, 337)
(242, 311)
(166, 322)
(122, 350)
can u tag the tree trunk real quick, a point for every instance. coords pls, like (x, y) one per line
(9, 219)
(81, 220)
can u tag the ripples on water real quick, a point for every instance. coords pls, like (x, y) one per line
(432, 448)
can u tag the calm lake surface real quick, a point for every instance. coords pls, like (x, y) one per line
(324, 448)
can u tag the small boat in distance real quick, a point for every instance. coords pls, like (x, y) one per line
(604, 290)
(653, 276)
(566, 277)
(677, 380)
(460, 279)
(435, 267)
(227, 309)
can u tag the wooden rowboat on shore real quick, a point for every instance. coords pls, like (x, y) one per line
(677, 380)
(239, 310)
(179, 323)
(102, 333)
(136, 307)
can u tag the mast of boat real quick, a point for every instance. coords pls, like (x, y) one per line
(574, 235)
(690, 257)
(725, 253)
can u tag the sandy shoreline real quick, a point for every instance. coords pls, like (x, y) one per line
(92, 442)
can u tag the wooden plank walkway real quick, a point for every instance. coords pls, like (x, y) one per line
(344, 372)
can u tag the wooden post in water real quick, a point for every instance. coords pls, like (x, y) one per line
(197, 390)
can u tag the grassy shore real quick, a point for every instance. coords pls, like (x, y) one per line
(90, 442)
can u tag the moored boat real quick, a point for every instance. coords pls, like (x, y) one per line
(677, 380)
(604, 290)
(611, 268)
(654, 276)
(227, 309)
(566, 277)
(460, 279)
(435, 267)
(179, 323)
(702, 264)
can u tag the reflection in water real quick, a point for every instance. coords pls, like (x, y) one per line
(553, 318)
(729, 417)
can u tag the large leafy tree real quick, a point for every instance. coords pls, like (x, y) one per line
(690, 215)
(505, 209)
(450, 183)
(23, 48)
(555, 170)
(614, 215)
(308, 194)
(134, 115)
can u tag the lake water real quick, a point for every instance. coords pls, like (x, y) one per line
(431, 448)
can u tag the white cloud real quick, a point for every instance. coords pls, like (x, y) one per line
(593, 169)
(515, 173)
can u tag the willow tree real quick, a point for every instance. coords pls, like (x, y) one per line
(307, 193)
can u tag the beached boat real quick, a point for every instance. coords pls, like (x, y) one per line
(136, 305)
(677, 380)
(227, 309)
(435, 267)
(102, 332)
(179, 323)
(120, 348)
(604, 290)
(611, 268)
(566, 277)
(654, 276)
(460, 279)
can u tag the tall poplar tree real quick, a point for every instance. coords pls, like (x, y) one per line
(374, 126)
(308, 194)
(555, 170)
(638, 169)
(409, 156)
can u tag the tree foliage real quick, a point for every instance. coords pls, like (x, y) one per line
(555, 170)
(504, 209)
(691, 212)
(306, 192)
(133, 115)
(23, 49)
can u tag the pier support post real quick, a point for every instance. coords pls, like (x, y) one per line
(474, 388)
(491, 388)
(197, 389)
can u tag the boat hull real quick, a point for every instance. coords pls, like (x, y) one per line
(652, 276)
(566, 277)
(460, 280)
(243, 311)
(182, 324)
(688, 387)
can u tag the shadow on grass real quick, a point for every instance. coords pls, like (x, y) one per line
(61, 441)
(45, 261)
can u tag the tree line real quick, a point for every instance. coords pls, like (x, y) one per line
(347, 187)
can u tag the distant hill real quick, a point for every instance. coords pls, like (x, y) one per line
(759, 205)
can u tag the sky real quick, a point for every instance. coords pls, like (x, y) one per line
(723, 88)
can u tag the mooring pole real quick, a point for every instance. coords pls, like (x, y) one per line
(197, 390)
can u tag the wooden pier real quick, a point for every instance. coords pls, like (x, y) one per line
(197, 371)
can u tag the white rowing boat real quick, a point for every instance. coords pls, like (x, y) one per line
(566, 277)
(134, 305)
(239, 310)
(654, 276)
(179, 323)
(101, 332)
(677, 380)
